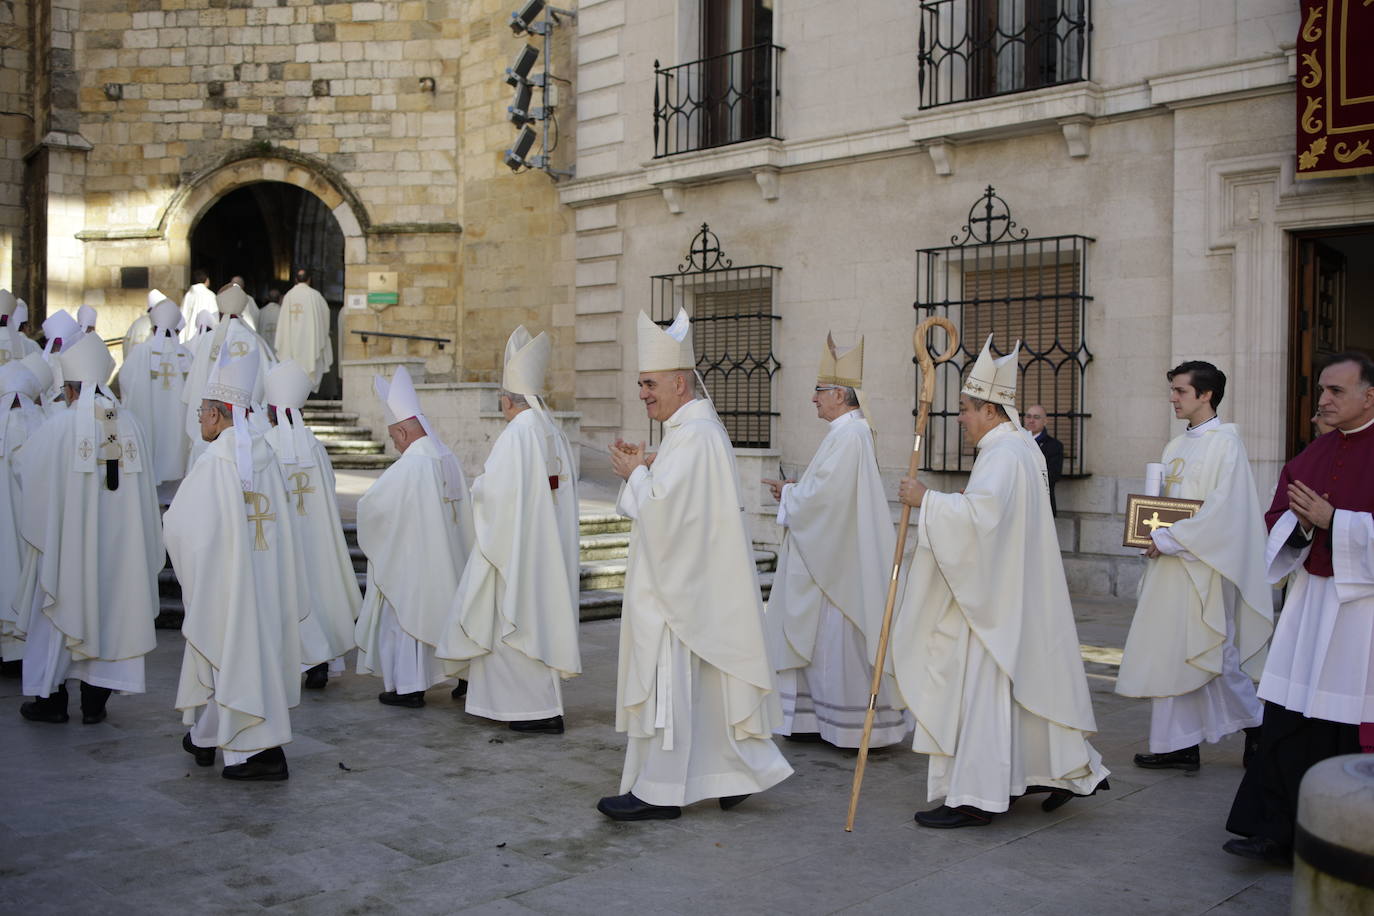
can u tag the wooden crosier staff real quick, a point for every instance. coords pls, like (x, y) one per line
(927, 396)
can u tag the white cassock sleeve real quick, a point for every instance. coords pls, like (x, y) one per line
(1352, 554)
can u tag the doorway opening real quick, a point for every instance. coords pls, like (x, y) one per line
(263, 232)
(1332, 309)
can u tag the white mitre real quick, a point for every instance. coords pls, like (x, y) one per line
(526, 363)
(154, 297)
(846, 369)
(231, 301)
(86, 316)
(286, 388)
(994, 379)
(663, 350)
(37, 365)
(19, 391)
(231, 381)
(61, 326)
(164, 315)
(87, 361)
(400, 402)
(205, 321)
(8, 303)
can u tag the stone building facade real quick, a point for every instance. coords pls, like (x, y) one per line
(124, 123)
(852, 147)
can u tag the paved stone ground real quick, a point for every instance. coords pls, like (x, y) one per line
(435, 811)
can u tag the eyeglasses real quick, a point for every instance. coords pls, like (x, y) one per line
(828, 388)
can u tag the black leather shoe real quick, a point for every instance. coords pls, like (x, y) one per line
(205, 756)
(93, 701)
(317, 677)
(51, 708)
(409, 700)
(628, 808)
(1058, 798)
(1187, 759)
(550, 726)
(1261, 849)
(264, 766)
(945, 817)
(460, 691)
(729, 801)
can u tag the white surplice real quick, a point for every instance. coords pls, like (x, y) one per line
(303, 332)
(238, 562)
(17, 424)
(826, 607)
(150, 386)
(331, 585)
(695, 690)
(417, 542)
(1321, 662)
(984, 643)
(88, 591)
(514, 618)
(1205, 611)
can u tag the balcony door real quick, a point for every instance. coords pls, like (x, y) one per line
(737, 80)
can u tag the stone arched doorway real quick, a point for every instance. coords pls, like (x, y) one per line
(264, 232)
(276, 208)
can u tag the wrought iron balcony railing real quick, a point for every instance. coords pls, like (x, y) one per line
(716, 101)
(976, 49)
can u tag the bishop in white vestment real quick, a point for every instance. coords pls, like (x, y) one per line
(1318, 682)
(303, 330)
(984, 643)
(150, 386)
(230, 534)
(1205, 611)
(199, 298)
(13, 344)
(415, 525)
(514, 619)
(60, 331)
(826, 607)
(331, 584)
(93, 546)
(231, 334)
(695, 692)
(20, 417)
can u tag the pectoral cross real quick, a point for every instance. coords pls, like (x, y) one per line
(453, 504)
(260, 505)
(166, 374)
(1154, 523)
(238, 348)
(302, 481)
(1175, 474)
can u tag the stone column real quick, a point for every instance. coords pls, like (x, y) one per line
(1333, 861)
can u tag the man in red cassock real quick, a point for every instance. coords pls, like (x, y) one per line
(1318, 684)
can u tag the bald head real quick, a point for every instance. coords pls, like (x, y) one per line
(405, 433)
(1034, 419)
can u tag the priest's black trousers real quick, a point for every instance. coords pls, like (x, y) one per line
(1266, 803)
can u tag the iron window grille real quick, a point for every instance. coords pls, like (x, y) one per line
(977, 49)
(995, 279)
(733, 310)
(716, 101)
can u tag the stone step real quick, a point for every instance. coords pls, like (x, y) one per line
(602, 524)
(323, 404)
(603, 546)
(327, 431)
(328, 416)
(361, 446)
(610, 574)
(361, 462)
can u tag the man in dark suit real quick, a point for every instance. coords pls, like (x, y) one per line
(1053, 450)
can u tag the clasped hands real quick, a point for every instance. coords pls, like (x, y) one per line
(626, 456)
(1312, 509)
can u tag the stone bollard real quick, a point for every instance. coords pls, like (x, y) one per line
(1333, 851)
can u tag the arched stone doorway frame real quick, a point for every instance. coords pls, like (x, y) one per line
(196, 196)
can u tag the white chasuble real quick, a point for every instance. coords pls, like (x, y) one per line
(331, 586)
(88, 590)
(984, 644)
(417, 542)
(17, 424)
(518, 592)
(150, 386)
(826, 607)
(238, 562)
(695, 690)
(1321, 663)
(303, 332)
(1205, 611)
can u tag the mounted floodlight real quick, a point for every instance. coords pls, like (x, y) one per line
(519, 70)
(519, 152)
(518, 112)
(523, 18)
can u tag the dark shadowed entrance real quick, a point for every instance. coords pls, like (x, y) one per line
(263, 232)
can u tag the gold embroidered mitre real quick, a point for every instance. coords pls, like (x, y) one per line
(994, 379)
(838, 368)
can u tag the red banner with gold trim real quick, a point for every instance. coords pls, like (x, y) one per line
(1335, 88)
